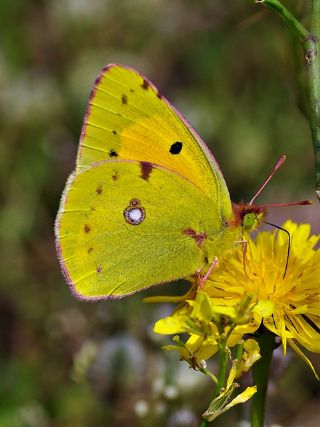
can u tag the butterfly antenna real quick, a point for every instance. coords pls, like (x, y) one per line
(277, 166)
(277, 205)
(289, 244)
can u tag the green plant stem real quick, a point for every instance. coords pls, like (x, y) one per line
(291, 21)
(260, 371)
(310, 41)
(204, 423)
(223, 364)
(312, 58)
(221, 377)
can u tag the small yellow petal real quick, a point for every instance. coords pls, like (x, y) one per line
(183, 352)
(242, 397)
(202, 308)
(251, 354)
(232, 374)
(303, 356)
(171, 325)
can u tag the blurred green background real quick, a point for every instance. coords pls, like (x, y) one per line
(229, 67)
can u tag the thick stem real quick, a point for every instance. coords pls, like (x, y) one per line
(311, 45)
(312, 58)
(260, 371)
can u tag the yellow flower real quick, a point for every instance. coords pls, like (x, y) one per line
(206, 323)
(252, 286)
(286, 300)
(237, 298)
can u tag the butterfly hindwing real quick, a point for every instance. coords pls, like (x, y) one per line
(126, 225)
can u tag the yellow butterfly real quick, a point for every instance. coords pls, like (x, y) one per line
(147, 202)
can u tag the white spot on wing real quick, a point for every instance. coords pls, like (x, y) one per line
(134, 214)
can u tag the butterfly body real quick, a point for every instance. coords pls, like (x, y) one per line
(147, 202)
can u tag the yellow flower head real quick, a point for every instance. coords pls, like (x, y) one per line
(258, 285)
(239, 296)
(287, 300)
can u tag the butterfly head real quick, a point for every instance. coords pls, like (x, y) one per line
(247, 216)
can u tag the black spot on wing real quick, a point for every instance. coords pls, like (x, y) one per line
(114, 132)
(124, 99)
(176, 147)
(113, 153)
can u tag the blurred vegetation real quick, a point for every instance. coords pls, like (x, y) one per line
(228, 66)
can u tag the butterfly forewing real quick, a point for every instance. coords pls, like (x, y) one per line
(127, 118)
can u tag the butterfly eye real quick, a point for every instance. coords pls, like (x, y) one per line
(134, 214)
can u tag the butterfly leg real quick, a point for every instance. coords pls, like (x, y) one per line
(201, 280)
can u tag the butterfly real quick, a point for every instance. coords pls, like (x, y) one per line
(147, 202)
